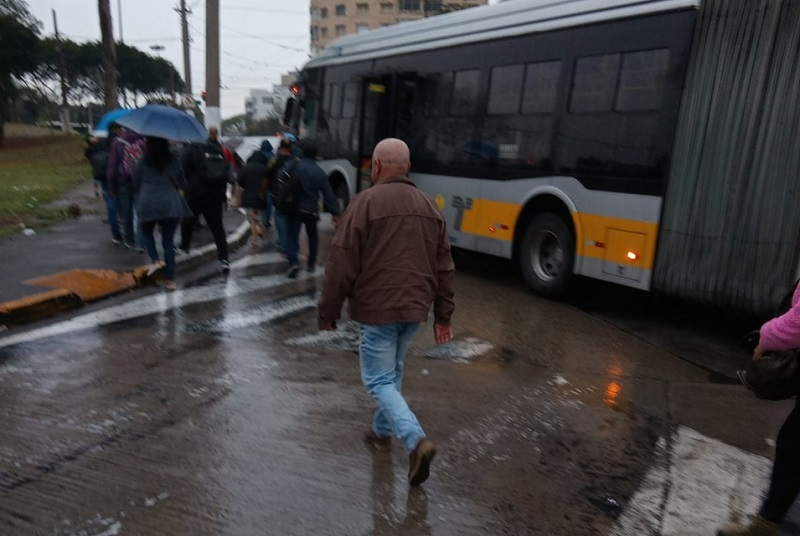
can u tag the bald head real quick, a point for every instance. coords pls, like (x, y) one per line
(390, 158)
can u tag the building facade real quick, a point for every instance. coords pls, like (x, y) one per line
(333, 18)
(263, 104)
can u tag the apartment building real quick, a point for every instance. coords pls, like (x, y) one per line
(334, 18)
(262, 103)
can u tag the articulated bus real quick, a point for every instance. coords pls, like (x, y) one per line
(649, 143)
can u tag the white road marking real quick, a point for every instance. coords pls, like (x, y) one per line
(696, 485)
(242, 319)
(157, 303)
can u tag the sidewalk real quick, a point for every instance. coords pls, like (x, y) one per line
(74, 262)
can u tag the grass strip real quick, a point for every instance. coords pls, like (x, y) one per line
(35, 171)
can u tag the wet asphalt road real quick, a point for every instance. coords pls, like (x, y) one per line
(220, 410)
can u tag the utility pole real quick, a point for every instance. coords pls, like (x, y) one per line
(66, 124)
(187, 66)
(109, 55)
(213, 115)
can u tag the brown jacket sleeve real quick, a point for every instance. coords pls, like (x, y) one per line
(344, 261)
(443, 305)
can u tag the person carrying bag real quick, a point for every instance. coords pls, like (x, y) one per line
(778, 342)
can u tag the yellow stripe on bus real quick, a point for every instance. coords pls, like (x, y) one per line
(618, 240)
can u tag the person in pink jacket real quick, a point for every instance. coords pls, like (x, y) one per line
(780, 333)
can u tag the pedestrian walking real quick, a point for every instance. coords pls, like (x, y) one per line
(125, 151)
(780, 333)
(390, 258)
(274, 167)
(313, 183)
(159, 182)
(97, 152)
(253, 184)
(269, 153)
(207, 176)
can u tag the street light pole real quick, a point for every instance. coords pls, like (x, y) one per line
(157, 49)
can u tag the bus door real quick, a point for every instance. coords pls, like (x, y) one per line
(375, 110)
(386, 112)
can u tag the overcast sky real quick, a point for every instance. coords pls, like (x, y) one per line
(259, 39)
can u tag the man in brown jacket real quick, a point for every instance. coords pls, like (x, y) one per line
(391, 257)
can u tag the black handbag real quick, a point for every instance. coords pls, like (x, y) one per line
(775, 376)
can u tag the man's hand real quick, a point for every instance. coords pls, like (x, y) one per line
(335, 220)
(326, 325)
(443, 333)
(758, 353)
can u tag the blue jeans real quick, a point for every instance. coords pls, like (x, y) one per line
(111, 210)
(168, 228)
(282, 228)
(292, 244)
(126, 197)
(267, 214)
(382, 353)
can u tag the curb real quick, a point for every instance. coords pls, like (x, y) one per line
(49, 303)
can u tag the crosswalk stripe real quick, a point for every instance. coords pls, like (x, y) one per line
(696, 484)
(241, 319)
(157, 303)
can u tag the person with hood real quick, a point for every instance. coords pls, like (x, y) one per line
(159, 181)
(253, 183)
(207, 176)
(313, 184)
(275, 166)
(124, 152)
(97, 152)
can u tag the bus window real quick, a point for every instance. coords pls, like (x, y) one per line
(595, 84)
(437, 93)
(641, 85)
(540, 93)
(350, 99)
(505, 89)
(465, 92)
(335, 101)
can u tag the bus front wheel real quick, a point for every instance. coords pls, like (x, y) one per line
(342, 194)
(547, 255)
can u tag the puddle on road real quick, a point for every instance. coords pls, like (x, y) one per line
(461, 351)
(346, 337)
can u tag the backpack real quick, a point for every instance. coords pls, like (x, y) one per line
(217, 168)
(286, 195)
(131, 154)
(99, 161)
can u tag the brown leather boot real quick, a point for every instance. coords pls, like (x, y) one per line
(757, 527)
(420, 462)
(377, 442)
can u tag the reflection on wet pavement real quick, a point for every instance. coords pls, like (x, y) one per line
(220, 409)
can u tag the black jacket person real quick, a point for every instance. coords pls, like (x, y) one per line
(207, 176)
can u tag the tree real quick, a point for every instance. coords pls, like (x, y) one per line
(19, 40)
(109, 55)
(140, 74)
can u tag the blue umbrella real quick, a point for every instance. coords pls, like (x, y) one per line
(164, 122)
(102, 126)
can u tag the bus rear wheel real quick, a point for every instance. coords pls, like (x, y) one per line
(547, 255)
(342, 194)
